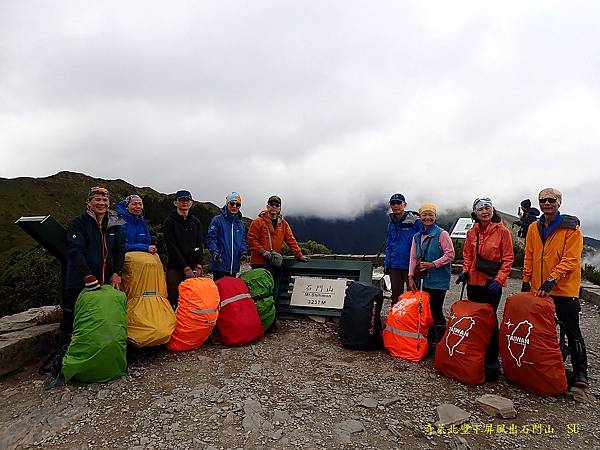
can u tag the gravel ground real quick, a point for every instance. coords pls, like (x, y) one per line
(297, 388)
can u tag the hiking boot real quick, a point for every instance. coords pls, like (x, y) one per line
(579, 362)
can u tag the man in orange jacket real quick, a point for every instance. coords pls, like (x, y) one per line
(266, 236)
(553, 266)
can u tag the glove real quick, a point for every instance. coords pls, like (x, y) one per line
(91, 283)
(493, 287)
(189, 273)
(387, 271)
(217, 258)
(267, 256)
(526, 287)
(304, 258)
(463, 277)
(547, 286)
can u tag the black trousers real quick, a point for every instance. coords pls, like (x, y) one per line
(68, 309)
(174, 278)
(436, 305)
(567, 312)
(480, 294)
(399, 278)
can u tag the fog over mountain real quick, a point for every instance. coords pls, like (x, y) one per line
(332, 105)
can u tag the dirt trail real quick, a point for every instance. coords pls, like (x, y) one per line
(297, 388)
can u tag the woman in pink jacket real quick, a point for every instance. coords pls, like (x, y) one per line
(488, 258)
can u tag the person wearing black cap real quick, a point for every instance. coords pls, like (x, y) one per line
(266, 236)
(527, 215)
(400, 230)
(184, 238)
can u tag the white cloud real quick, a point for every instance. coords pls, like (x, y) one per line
(333, 105)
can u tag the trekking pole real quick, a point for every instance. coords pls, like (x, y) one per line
(420, 314)
(462, 291)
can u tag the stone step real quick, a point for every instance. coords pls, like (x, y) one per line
(21, 347)
(30, 318)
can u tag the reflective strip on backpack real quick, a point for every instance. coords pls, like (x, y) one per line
(149, 294)
(404, 333)
(235, 298)
(204, 311)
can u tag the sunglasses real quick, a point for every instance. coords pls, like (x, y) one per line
(184, 199)
(395, 202)
(235, 204)
(275, 205)
(547, 200)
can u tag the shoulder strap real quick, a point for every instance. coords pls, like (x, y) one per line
(270, 241)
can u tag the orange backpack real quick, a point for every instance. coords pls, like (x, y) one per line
(461, 352)
(531, 356)
(197, 313)
(407, 324)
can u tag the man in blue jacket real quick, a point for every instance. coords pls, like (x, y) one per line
(402, 227)
(137, 235)
(226, 239)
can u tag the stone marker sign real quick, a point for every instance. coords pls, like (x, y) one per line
(318, 292)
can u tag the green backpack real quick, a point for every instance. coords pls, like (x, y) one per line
(260, 284)
(98, 347)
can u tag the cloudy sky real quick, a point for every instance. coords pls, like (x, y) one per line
(334, 105)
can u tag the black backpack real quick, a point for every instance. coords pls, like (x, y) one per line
(360, 323)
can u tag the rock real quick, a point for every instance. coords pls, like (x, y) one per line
(449, 414)
(351, 426)
(389, 401)
(230, 419)
(497, 406)
(102, 394)
(251, 422)
(35, 316)
(458, 443)
(252, 406)
(280, 416)
(367, 401)
(18, 348)
(144, 440)
(277, 435)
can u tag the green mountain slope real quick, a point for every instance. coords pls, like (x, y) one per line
(63, 196)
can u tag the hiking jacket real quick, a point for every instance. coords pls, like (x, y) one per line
(433, 245)
(399, 239)
(258, 238)
(184, 239)
(559, 256)
(94, 249)
(137, 236)
(495, 244)
(226, 240)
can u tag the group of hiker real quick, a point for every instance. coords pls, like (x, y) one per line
(418, 255)
(99, 238)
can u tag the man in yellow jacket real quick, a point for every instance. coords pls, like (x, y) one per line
(553, 267)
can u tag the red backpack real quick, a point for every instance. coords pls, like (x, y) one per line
(531, 356)
(461, 352)
(238, 321)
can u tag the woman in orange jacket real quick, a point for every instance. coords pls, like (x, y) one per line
(487, 262)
